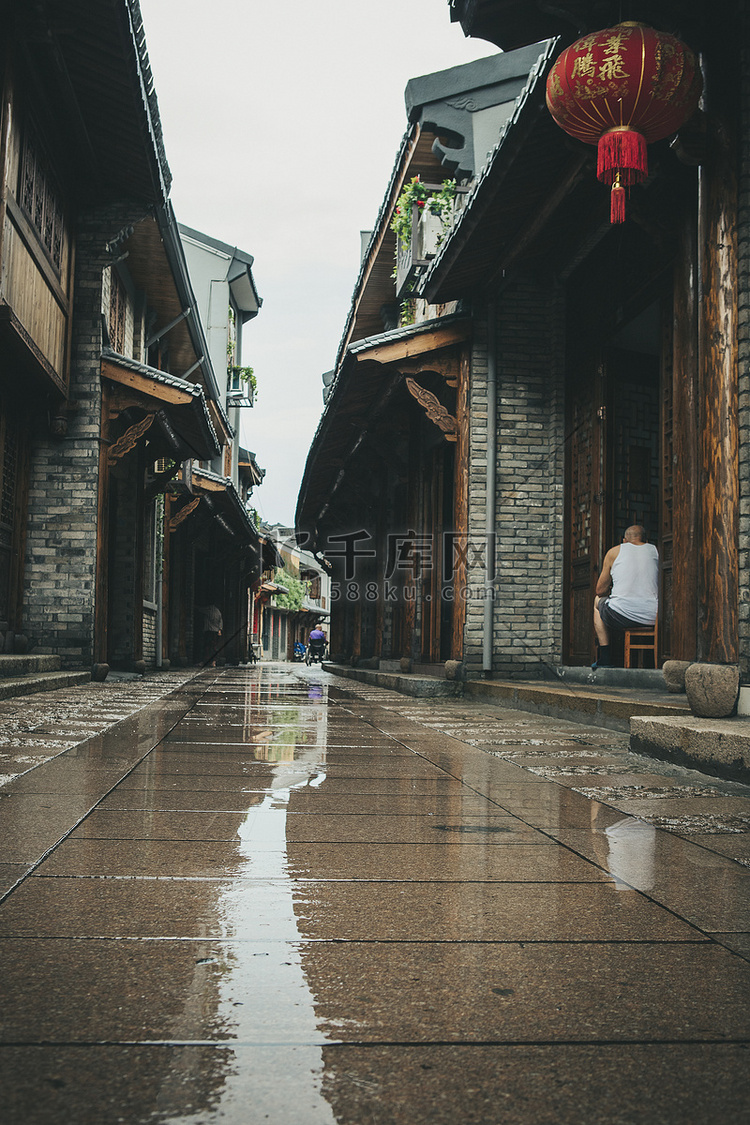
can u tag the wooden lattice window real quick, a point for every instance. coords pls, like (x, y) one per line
(40, 195)
(582, 444)
(117, 307)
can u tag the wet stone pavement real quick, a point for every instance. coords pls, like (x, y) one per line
(271, 895)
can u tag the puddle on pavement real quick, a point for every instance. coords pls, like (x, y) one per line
(280, 988)
(295, 742)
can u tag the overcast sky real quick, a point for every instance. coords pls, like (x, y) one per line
(282, 120)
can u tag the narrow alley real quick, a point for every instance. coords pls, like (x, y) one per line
(272, 895)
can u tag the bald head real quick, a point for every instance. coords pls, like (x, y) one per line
(635, 534)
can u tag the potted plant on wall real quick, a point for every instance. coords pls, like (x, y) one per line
(241, 382)
(423, 214)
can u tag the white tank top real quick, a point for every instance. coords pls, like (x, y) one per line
(635, 583)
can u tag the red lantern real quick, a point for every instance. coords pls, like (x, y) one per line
(621, 89)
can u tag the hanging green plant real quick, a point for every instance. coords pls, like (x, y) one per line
(438, 203)
(408, 312)
(245, 375)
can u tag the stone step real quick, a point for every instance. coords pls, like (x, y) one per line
(643, 679)
(16, 665)
(592, 704)
(406, 682)
(11, 686)
(717, 746)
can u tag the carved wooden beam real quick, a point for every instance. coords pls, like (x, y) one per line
(434, 410)
(121, 398)
(144, 384)
(129, 439)
(445, 366)
(421, 344)
(185, 511)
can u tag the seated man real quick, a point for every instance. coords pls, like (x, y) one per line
(632, 572)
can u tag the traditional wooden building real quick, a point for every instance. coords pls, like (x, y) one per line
(278, 624)
(108, 397)
(385, 493)
(605, 370)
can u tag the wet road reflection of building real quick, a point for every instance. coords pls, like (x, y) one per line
(303, 906)
(262, 1001)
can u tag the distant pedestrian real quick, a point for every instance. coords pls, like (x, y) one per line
(213, 626)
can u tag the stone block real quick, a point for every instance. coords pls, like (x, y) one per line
(674, 674)
(712, 689)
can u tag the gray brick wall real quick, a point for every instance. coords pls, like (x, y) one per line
(477, 491)
(60, 570)
(149, 636)
(527, 625)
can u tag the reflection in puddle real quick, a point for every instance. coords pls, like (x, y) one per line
(627, 848)
(277, 1063)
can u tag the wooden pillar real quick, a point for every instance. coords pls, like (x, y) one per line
(685, 449)
(381, 561)
(718, 373)
(183, 550)
(411, 646)
(337, 606)
(357, 635)
(101, 603)
(166, 576)
(461, 508)
(137, 634)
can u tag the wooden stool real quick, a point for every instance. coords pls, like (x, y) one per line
(640, 640)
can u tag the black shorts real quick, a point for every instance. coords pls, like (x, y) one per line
(614, 620)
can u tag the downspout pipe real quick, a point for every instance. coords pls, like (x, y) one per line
(491, 473)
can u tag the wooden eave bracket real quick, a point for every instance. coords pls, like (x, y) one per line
(434, 409)
(129, 439)
(185, 511)
(448, 367)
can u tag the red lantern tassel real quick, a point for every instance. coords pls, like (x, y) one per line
(617, 203)
(622, 152)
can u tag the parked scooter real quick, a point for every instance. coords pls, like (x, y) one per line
(299, 652)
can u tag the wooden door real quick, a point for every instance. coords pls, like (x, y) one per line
(585, 523)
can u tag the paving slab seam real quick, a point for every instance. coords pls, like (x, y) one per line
(34, 867)
(654, 901)
(256, 880)
(373, 1044)
(287, 943)
(646, 1019)
(97, 734)
(600, 799)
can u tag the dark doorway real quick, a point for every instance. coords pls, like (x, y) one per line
(613, 459)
